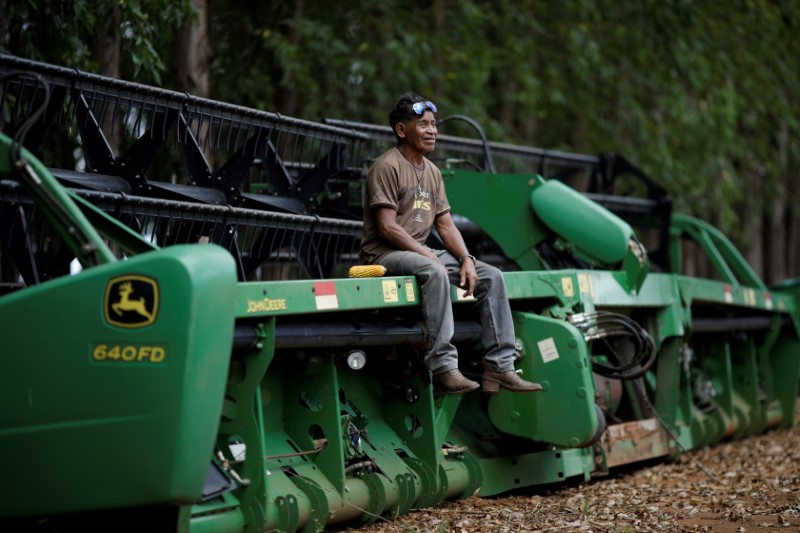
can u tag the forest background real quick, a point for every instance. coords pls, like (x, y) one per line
(700, 94)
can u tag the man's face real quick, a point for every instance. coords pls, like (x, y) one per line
(420, 133)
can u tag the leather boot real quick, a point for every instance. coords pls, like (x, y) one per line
(452, 382)
(492, 381)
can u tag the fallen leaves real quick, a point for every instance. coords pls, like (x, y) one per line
(756, 489)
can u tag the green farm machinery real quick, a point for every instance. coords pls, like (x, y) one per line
(183, 350)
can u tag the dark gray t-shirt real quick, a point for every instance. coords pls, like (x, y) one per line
(418, 196)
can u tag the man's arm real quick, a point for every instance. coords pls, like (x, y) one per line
(455, 245)
(394, 234)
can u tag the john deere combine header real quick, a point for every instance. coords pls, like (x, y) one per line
(182, 348)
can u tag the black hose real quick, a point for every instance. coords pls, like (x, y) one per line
(605, 324)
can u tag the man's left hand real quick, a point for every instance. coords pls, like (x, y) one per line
(469, 276)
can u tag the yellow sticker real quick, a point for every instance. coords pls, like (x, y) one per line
(410, 291)
(583, 283)
(750, 297)
(566, 287)
(389, 291)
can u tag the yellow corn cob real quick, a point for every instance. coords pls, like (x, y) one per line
(366, 271)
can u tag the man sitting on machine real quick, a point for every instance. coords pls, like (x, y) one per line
(406, 198)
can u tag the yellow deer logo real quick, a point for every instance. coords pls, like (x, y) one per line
(126, 304)
(131, 301)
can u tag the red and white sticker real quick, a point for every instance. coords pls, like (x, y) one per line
(767, 300)
(325, 295)
(728, 294)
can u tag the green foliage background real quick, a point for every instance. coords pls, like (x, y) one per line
(701, 94)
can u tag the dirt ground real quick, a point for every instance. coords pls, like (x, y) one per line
(751, 485)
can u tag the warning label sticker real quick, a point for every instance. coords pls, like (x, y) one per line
(410, 291)
(389, 291)
(566, 287)
(547, 348)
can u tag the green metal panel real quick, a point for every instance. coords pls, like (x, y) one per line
(503, 474)
(221, 514)
(556, 357)
(498, 204)
(101, 403)
(709, 291)
(306, 296)
(594, 230)
(785, 363)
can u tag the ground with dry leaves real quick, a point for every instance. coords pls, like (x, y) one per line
(754, 487)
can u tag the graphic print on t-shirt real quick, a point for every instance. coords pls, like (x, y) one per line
(422, 202)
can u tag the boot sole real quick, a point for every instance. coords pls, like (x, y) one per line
(456, 391)
(492, 386)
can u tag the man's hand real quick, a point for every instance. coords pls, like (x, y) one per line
(469, 277)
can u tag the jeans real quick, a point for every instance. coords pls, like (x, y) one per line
(497, 327)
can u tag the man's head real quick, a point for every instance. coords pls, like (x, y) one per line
(413, 115)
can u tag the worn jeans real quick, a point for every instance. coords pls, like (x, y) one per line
(497, 327)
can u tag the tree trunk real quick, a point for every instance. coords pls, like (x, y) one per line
(507, 112)
(108, 41)
(192, 53)
(753, 220)
(778, 229)
(439, 22)
(3, 22)
(793, 223)
(107, 48)
(287, 96)
(776, 240)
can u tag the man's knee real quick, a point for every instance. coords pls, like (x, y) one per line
(433, 273)
(490, 273)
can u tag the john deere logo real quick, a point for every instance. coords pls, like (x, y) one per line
(131, 301)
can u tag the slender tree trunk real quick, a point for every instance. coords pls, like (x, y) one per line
(3, 22)
(687, 258)
(528, 123)
(793, 239)
(439, 21)
(287, 96)
(776, 243)
(192, 53)
(507, 88)
(107, 47)
(108, 41)
(753, 221)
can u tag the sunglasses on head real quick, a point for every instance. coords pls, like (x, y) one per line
(420, 107)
